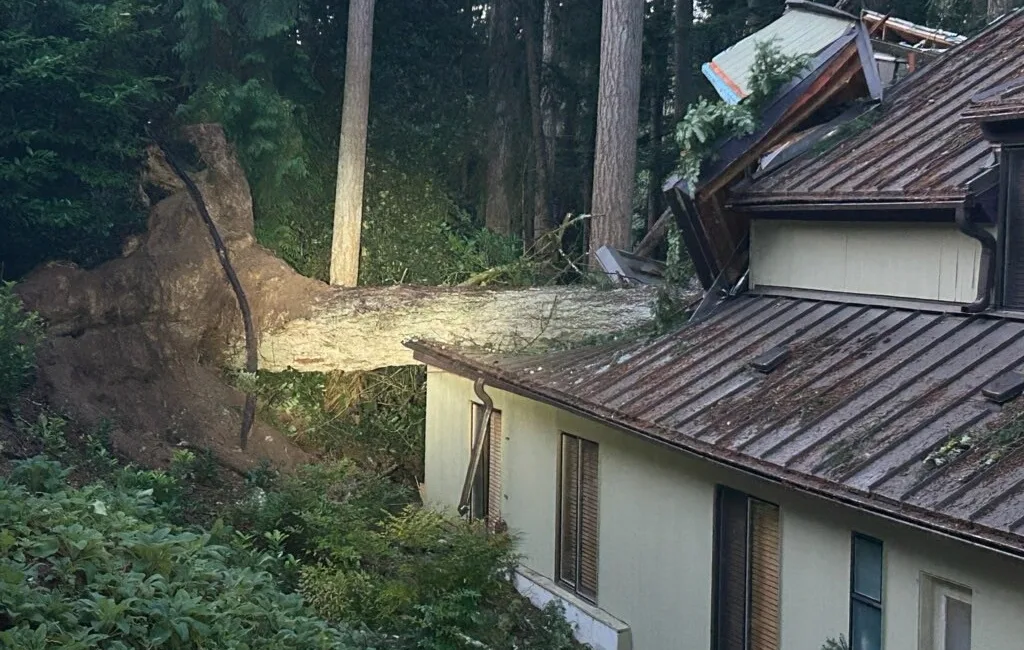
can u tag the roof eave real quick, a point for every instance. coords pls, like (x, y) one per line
(435, 355)
(786, 204)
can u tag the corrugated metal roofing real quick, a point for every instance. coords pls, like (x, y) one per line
(1000, 103)
(920, 149)
(798, 31)
(862, 408)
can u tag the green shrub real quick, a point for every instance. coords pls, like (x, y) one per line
(20, 333)
(79, 85)
(97, 568)
(349, 541)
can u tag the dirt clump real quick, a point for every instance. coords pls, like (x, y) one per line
(140, 339)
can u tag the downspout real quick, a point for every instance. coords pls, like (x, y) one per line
(987, 273)
(476, 455)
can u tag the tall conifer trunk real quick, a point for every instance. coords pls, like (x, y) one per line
(498, 209)
(683, 58)
(618, 108)
(348, 197)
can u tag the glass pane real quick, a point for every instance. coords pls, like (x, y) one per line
(867, 568)
(866, 627)
(958, 624)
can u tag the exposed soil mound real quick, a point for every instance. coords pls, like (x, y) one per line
(138, 340)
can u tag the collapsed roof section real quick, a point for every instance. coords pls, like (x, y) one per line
(806, 28)
(918, 152)
(839, 75)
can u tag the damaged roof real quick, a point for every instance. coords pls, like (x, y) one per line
(806, 28)
(878, 407)
(919, 34)
(919, 150)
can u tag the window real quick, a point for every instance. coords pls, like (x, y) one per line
(945, 615)
(1013, 198)
(866, 594)
(485, 499)
(746, 573)
(578, 517)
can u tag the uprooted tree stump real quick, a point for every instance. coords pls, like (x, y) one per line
(140, 341)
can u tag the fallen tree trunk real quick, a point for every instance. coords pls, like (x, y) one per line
(363, 329)
(142, 338)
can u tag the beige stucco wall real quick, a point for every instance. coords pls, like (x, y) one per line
(920, 261)
(656, 533)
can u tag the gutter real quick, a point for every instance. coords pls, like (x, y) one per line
(896, 512)
(987, 272)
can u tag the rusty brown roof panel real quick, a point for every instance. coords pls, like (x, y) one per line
(865, 404)
(921, 148)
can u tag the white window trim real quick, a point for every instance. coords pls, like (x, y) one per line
(934, 593)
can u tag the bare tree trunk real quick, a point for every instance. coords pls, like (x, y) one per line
(660, 21)
(348, 197)
(541, 191)
(364, 328)
(683, 58)
(618, 109)
(547, 98)
(498, 209)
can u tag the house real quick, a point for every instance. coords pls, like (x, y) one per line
(834, 445)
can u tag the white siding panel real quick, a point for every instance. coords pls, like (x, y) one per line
(919, 261)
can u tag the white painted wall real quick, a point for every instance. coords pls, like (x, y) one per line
(656, 533)
(920, 261)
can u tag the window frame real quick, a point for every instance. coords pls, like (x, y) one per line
(856, 597)
(574, 587)
(934, 593)
(716, 560)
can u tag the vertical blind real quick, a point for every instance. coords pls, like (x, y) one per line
(495, 441)
(578, 516)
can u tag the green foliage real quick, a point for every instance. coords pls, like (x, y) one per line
(187, 465)
(670, 309)
(375, 417)
(261, 124)
(416, 234)
(20, 334)
(78, 80)
(96, 567)
(50, 430)
(707, 123)
(367, 557)
(836, 644)
(770, 72)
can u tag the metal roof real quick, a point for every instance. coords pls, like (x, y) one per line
(919, 150)
(1004, 102)
(801, 30)
(878, 407)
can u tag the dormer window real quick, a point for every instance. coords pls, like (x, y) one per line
(1000, 113)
